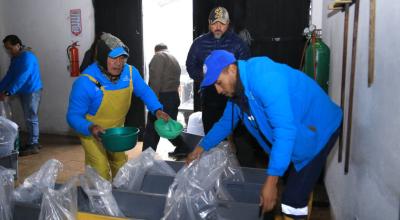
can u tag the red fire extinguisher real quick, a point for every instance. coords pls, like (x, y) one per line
(73, 57)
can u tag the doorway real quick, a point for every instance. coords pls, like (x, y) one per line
(169, 22)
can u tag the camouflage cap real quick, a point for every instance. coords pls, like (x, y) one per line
(219, 14)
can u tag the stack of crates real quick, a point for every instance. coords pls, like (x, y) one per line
(149, 201)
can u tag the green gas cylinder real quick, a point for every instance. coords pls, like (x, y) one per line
(316, 64)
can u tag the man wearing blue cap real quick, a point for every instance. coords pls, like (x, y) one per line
(286, 111)
(100, 99)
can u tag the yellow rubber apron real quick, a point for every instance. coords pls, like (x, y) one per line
(111, 113)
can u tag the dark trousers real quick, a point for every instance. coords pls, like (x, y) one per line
(248, 151)
(213, 106)
(170, 102)
(196, 96)
(300, 184)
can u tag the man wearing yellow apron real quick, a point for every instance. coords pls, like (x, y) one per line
(101, 97)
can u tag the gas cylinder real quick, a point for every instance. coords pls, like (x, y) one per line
(317, 59)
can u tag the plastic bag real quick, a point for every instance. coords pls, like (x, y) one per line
(100, 195)
(32, 188)
(6, 190)
(131, 175)
(5, 110)
(8, 134)
(197, 187)
(61, 204)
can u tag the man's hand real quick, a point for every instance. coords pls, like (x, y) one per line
(160, 114)
(269, 194)
(196, 153)
(96, 130)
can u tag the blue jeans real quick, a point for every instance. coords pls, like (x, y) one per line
(30, 106)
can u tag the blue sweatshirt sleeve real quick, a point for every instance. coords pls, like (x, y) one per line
(21, 70)
(5, 82)
(222, 128)
(79, 100)
(276, 104)
(144, 92)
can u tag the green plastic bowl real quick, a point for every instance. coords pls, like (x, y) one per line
(120, 138)
(169, 130)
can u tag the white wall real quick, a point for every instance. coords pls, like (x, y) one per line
(371, 189)
(316, 13)
(2, 24)
(44, 25)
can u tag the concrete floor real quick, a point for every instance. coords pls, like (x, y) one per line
(69, 151)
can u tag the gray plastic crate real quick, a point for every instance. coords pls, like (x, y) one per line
(151, 207)
(156, 184)
(11, 162)
(241, 192)
(144, 206)
(25, 211)
(251, 175)
(132, 204)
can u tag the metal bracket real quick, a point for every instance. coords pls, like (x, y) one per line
(339, 6)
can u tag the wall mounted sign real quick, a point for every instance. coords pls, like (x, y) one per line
(76, 21)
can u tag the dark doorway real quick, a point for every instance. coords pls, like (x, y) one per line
(123, 19)
(276, 27)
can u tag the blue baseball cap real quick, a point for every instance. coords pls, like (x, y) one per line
(118, 51)
(214, 64)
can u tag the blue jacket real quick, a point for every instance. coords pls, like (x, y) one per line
(23, 75)
(86, 97)
(203, 45)
(283, 103)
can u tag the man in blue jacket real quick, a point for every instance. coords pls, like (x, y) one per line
(286, 111)
(101, 98)
(23, 79)
(220, 37)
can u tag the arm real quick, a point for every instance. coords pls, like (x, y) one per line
(79, 102)
(156, 71)
(222, 128)
(194, 68)
(218, 132)
(6, 80)
(144, 92)
(277, 106)
(20, 70)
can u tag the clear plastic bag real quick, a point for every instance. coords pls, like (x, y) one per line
(61, 204)
(32, 188)
(100, 195)
(197, 187)
(6, 190)
(5, 110)
(8, 134)
(130, 176)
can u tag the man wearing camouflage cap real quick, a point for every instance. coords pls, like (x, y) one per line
(101, 97)
(220, 37)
